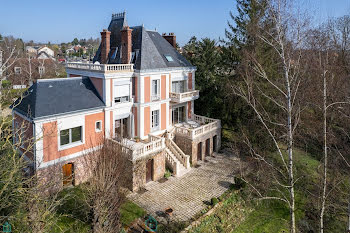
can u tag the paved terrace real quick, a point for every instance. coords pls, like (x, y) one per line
(188, 194)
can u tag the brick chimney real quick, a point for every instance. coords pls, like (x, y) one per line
(171, 38)
(105, 45)
(126, 44)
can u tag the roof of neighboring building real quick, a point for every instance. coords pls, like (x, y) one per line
(49, 97)
(149, 47)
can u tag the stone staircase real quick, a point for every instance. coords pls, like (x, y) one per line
(176, 159)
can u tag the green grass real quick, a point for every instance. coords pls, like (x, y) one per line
(66, 224)
(242, 216)
(268, 216)
(129, 212)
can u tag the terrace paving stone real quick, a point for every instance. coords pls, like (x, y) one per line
(187, 195)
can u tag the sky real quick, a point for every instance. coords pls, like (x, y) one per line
(62, 21)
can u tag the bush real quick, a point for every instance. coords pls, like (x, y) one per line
(6, 84)
(214, 201)
(167, 173)
(239, 184)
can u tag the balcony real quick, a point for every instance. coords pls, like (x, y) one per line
(184, 97)
(138, 150)
(197, 126)
(103, 68)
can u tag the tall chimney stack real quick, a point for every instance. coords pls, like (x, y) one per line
(171, 38)
(126, 44)
(105, 45)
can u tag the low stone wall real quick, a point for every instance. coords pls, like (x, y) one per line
(190, 147)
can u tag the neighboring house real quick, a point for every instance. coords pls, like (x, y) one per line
(43, 52)
(139, 88)
(76, 49)
(49, 52)
(24, 71)
(70, 50)
(32, 50)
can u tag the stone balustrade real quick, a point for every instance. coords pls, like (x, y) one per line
(207, 125)
(105, 68)
(172, 163)
(179, 154)
(138, 150)
(183, 97)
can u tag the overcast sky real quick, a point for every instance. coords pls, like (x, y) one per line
(62, 21)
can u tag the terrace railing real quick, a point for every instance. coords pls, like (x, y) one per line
(185, 96)
(208, 125)
(105, 68)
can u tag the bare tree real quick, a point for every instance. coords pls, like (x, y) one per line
(106, 169)
(285, 37)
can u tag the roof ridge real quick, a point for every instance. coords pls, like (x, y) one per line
(58, 79)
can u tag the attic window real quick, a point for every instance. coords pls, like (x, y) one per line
(169, 58)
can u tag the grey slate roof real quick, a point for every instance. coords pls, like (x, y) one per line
(149, 46)
(57, 96)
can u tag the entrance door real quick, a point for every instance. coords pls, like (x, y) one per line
(68, 174)
(215, 142)
(149, 170)
(207, 147)
(199, 151)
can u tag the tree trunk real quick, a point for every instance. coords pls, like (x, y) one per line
(290, 155)
(349, 216)
(323, 198)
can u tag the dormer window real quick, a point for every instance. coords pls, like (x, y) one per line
(169, 58)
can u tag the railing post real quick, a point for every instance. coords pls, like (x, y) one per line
(187, 162)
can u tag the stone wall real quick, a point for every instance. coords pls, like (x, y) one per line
(139, 170)
(190, 147)
(52, 176)
(158, 166)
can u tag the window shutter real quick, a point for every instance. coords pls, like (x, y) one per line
(121, 90)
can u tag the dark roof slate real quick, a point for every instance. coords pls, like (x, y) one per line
(149, 47)
(51, 97)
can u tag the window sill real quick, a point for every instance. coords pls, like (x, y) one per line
(155, 129)
(71, 145)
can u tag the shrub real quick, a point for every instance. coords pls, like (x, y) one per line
(167, 173)
(214, 201)
(239, 184)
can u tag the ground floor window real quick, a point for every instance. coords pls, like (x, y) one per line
(178, 115)
(68, 136)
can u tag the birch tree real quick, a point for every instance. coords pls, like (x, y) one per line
(285, 37)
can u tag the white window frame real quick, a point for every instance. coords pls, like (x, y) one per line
(155, 127)
(96, 128)
(155, 92)
(178, 83)
(41, 70)
(121, 99)
(71, 144)
(18, 70)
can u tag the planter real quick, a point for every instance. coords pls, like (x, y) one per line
(168, 211)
